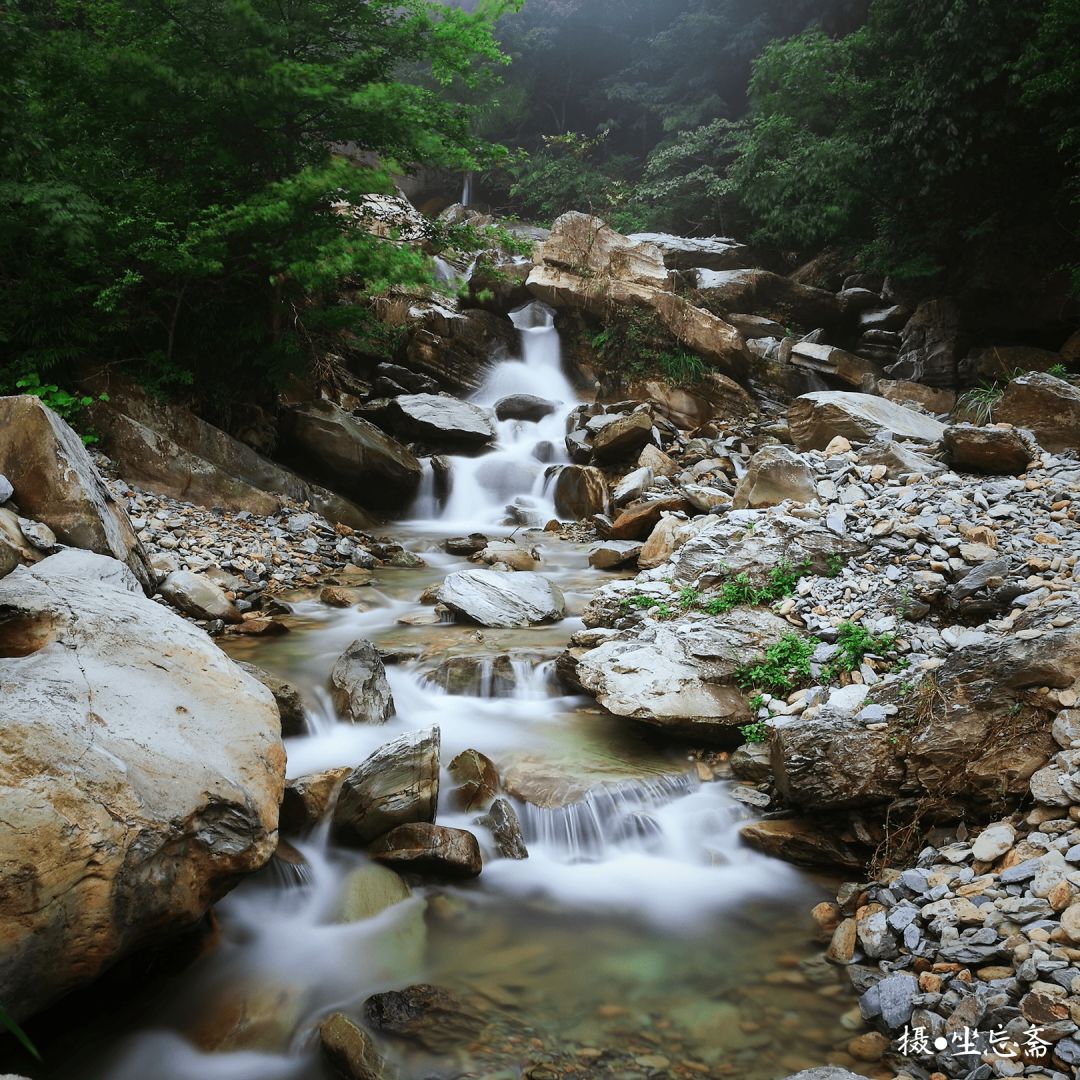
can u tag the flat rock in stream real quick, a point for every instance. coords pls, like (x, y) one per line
(496, 599)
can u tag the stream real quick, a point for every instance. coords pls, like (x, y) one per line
(640, 937)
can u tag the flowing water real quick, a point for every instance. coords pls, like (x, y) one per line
(640, 938)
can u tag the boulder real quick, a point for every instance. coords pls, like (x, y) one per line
(710, 396)
(527, 407)
(308, 799)
(580, 492)
(639, 519)
(991, 450)
(775, 474)
(829, 360)
(196, 595)
(931, 346)
(764, 293)
(816, 419)
(15, 547)
(358, 685)
(55, 482)
(690, 252)
(505, 828)
(477, 780)
(348, 1049)
(682, 677)
(932, 399)
(439, 421)
(507, 553)
(614, 554)
(756, 326)
(586, 266)
(167, 449)
(633, 486)
(432, 851)
(290, 706)
(354, 456)
(623, 438)
(397, 785)
(6, 490)
(798, 841)
(140, 774)
(497, 599)
(429, 1016)
(1044, 405)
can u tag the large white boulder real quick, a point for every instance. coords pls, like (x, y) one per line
(140, 774)
(495, 598)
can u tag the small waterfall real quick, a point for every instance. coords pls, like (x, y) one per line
(517, 471)
(467, 190)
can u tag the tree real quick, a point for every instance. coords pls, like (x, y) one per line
(176, 158)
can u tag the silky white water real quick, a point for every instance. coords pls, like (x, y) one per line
(520, 466)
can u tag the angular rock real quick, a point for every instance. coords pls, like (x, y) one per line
(989, 449)
(829, 360)
(430, 1016)
(692, 252)
(439, 420)
(505, 830)
(197, 596)
(358, 685)
(623, 438)
(351, 455)
(614, 554)
(497, 599)
(56, 483)
(526, 407)
(15, 547)
(141, 772)
(429, 850)
(308, 799)
(290, 706)
(477, 780)
(632, 486)
(581, 491)
(348, 1049)
(397, 785)
(934, 400)
(765, 293)
(816, 419)
(798, 841)
(639, 519)
(932, 345)
(773, 475)
(1047, 406)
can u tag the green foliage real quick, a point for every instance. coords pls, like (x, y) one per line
(740, 590)
(8, 1024)
(978, 403)
(754, 732)
(635, 345)
(168, 194)
(834, 565)
(1059, 371)
(66, 405)
(854, 643)
(786, 664)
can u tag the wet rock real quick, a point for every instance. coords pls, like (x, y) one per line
(466, 545)
(289, 703)
(816, 419)
(614, 554)
(432, 851)
(368, 891)
(198, 597)
(358, 685)
(507, 553)
(773, 475)
(1047, 406)
(477, 780)
(580, 492)
(430, 1016)
(623, 439)
(308, 799)
(490, 598)
(526, 407)
(56, 483)
(439, 420)
(148, 722)
(397, 785)
(989, 449)
(798, 841)
(682, 679)
(752, 762)
(505, 830)
(350, 455)
(348, 1049)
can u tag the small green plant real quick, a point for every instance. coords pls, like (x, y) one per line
(978, 403)
(757, 702)
(834, 565)
(740, 590)
(1059, 371)
(66, 405)
(854, 642)
(689, 597)
(681, 368)
(786, 663)
(8, 1024)
(753, 732)
(660, 609)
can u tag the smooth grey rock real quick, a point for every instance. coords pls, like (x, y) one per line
(491, 598)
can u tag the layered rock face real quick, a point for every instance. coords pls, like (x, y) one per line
(141, 772)
(56, 483)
